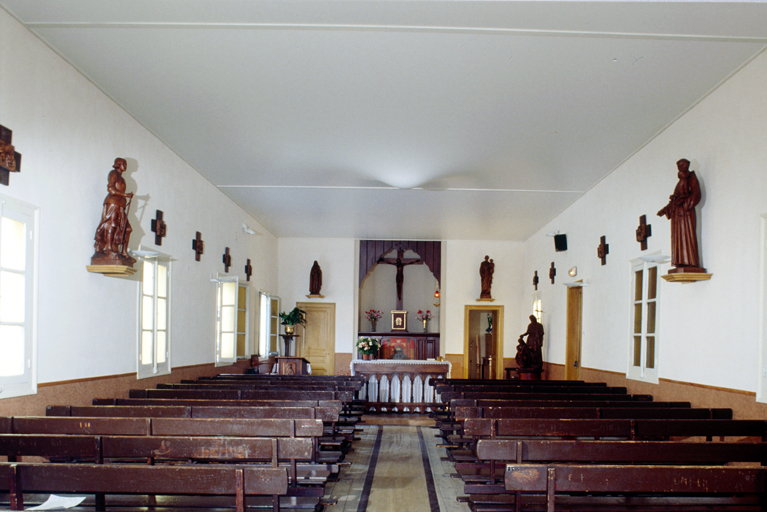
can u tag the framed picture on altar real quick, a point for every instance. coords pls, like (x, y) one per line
(399, 320)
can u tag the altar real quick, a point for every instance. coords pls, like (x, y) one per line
(399, 385)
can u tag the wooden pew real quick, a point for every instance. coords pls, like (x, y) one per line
(329, 449)
(240, 482)
(641, 487)
(241, 394)
(481, 477)
(462, 413)
(541, 395)
(614, 428)
(157, 449)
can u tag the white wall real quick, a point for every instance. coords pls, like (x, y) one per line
(338, 261)
(462, 287)
(69, 134)
(708, 330)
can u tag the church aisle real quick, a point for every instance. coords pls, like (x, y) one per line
(388, 471)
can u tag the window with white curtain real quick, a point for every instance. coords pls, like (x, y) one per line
(18, 301)
(226, 319)
(154, 317)
(268, 324)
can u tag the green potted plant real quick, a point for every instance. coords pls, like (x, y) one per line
(289, 320)
(368, 347)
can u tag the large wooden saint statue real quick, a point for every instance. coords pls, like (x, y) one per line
(114, 230)
(681, 211)
(486, 269)
(315, 279)
(534, 346)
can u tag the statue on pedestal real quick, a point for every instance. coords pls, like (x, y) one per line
(681, 211)
(486, 269)
(114, 230)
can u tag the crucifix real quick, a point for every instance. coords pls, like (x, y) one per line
(535, 280)
(10, 160)
(400, 262)
(552, 272)
(159, 228)
(603, 250)
(198, 245)
(643, 231)
(227, 259)
(248, 270)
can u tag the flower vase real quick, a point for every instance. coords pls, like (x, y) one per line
(366, 357)
(373, 325)
(425, 328)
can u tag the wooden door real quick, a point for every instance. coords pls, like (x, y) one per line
(318, 338)
(573, 350)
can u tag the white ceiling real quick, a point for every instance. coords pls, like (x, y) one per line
(402, 119)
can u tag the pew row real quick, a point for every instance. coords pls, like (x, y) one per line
(240, 482)
(639, 487)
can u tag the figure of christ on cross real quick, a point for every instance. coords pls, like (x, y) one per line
(400, 262)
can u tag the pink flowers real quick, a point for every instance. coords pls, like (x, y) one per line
(421, 316)
(368, 345)
(373, 315)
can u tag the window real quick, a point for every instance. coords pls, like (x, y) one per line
(18, 274)
(226, 319)
(537, 307)
(643, 345)
(243, 333)
(268, 325)
(154, 316)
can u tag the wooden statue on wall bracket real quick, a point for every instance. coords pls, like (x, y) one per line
(486, 270)
(681, 211)
(315, 282)
(114, 230)
(10, 160)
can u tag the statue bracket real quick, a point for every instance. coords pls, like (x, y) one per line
(687, 277)
(112, 270)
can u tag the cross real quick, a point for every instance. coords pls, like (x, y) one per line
(198, 246)
(159, 228)
(10, 160)
(248, 270)
(603, 250)
(643, 231)
(552, 272)
(227, 260)
(400, 262)
(535, 280)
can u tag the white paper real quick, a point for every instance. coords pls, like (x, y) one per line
(59, 503)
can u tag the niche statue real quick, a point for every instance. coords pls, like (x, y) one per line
(114, 230)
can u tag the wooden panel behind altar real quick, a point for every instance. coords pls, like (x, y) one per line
(412, 346)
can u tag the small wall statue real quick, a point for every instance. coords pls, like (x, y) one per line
(486, 269)
(113, 232)
(681, 211)
(315, 279)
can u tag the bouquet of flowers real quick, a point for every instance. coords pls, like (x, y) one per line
(421, 316)
(368, 345)
(373, 315)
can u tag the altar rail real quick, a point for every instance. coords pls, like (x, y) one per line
(401, 385)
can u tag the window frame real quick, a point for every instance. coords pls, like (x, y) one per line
(221, 282)
(156, 259)
(29, 215)
(268, 318)
(643, 372)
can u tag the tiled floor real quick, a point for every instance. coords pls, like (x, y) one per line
(398, 480)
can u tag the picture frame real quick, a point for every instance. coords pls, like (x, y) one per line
(399, 320)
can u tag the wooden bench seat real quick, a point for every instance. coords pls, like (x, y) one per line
(240, 482)
(640, 487)
(242, 394)
(158, 449)
(482, 476)
(463, 413)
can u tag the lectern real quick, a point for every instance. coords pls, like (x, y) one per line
(292, 365)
